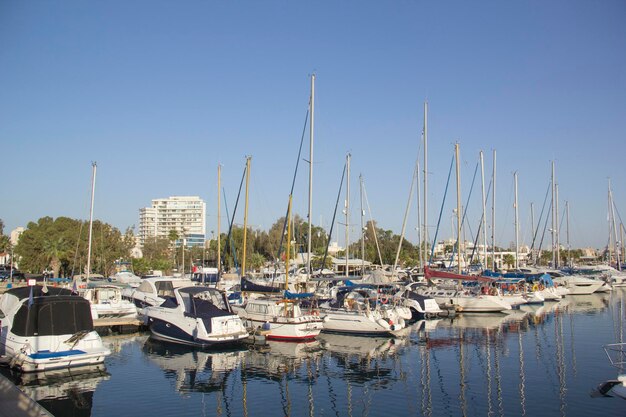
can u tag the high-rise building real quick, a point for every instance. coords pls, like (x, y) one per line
(186, 215)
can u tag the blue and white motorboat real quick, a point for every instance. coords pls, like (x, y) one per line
(196, 316)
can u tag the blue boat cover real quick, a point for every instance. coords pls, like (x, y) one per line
(295, 296)
(46, 354)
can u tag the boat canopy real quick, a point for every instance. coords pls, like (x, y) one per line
(297, 296)
(53, 316)
(247, 285)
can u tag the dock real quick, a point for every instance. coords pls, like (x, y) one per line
(14, 403)
(121, 325)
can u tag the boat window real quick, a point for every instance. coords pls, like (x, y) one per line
(164, 289)
(186, 302)
(53, 317)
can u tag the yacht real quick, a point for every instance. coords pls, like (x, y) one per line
(152, 291)
(420, 306)
(281, 319)
(47, 328)
(196, 316)
(126, 278)
(107, 302)
(355, 312)
(578, 285)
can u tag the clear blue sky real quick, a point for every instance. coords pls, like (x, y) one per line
(160, 92)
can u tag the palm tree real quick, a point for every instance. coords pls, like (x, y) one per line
(53, 250)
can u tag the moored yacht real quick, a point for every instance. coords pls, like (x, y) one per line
(47, 328)
(197, 316)
(282, 319)
(153, 291)
(107, 302)
(354, 312)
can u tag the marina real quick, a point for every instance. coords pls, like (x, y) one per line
(539, 360)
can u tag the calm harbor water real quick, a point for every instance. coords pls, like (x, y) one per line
(539, 361)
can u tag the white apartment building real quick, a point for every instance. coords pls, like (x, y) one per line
(184, 214)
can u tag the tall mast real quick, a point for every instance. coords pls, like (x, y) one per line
(608, 217)
(484, 204)
(93, 192)
(493, 214)
(553, 231)
(362, 228)
(425, 226)
(458, 207)
(287, 253)
(569, 252)
(516, 224)
(558, 227)
(219, 241)
(245, 218)
(420, 259)
(347, 204)
(617, 249)
(532, 225)
(311, 129)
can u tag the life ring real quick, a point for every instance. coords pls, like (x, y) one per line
(384, 300)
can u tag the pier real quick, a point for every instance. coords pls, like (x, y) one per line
(14, 403)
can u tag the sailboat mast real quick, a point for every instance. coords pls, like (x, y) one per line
(608, 218)
(617, 249)
(362, 227)
(287, 252)
(532, 225)
(311, 129)
(553, 231)
(420, 259)
(516, 224)
(558, 227)
(245, 218)
(425, 225)
(569, 251)
(458, 207)
(484, 207)
(347, 205)
(493, 214)
(219, 237)
(93, 193)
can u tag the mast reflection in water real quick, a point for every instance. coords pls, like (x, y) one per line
(539, 360)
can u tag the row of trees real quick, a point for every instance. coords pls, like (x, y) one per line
(61, 245)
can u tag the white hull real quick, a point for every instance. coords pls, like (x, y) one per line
(579, 285)
(277, 322)
(53, 352)
(359, 322)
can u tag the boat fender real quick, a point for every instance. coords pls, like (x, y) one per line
(535, 287)
(266, 326)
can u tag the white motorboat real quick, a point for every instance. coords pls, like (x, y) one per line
(578, 285)
(107, 302)
(466, 300)
(354, 312)
(281, 319)
(47, 328)
(152, 291)
(126, 278)
(420, 306)
(196, 316)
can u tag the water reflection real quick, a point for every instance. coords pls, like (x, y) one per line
(65, 392)
(192, 369)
